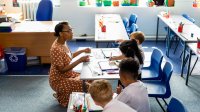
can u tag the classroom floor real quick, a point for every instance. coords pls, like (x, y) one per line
(33, 93)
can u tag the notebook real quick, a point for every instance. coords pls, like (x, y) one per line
(107, 65)
(111, 52)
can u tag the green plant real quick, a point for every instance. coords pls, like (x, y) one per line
(126, 1)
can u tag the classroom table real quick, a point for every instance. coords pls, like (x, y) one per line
(91, 70)
(114, 28)
(173, 22)
(193, 50)
(36, 36)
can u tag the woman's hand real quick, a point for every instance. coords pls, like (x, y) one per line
(84, 59)
(87, 50)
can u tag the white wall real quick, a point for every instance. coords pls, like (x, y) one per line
(82, 18)
(9, 6)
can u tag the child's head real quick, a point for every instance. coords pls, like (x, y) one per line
(130, 48)
(128, 70)
(138, 36)
(101, 92)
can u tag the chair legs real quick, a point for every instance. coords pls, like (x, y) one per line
(160, 104)
(107, 45)
(164, 101)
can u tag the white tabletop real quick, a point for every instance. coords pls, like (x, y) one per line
(92, 71)
(193, 47)
(173, 22)
(114, 28)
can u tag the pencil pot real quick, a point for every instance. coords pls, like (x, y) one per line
(115, 3)
(198, 43)
(82, 3)
(103, 29)
(180, 29)
(98, 3)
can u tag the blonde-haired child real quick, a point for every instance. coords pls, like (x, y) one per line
(101, 93)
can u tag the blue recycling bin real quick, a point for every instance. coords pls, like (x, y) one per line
(16, 58)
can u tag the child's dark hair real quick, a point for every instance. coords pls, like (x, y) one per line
(59, 28)
(130, 48)
(129, 66)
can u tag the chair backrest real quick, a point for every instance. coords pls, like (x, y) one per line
(132, 19)
(167, 72)
(125, 21)
(156, 60)
(134, 28)
(166, 76)
(176, 106)
(188, 18)
(44, 11)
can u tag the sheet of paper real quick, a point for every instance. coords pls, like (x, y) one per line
(107, 65)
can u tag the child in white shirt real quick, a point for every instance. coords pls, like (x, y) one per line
(135, 93)
(101, 93)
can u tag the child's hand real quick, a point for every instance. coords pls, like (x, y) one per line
(87, 50)
(119, 89)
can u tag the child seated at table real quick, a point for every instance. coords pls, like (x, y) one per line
(135, 93)
(139, 37)
(130, 48)
(101, 93)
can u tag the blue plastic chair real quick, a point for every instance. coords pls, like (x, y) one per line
(154, 71)
(44, 11)
(161, 88)
(132, 19)
(176, 106)
(125, 21)
(134, 28)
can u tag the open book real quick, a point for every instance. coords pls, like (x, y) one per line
(111, 52)
(85, 99)
(107, 65)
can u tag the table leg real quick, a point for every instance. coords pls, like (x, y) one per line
(188, 70)
(183, 59)
(168, 41)
(97, 44)
(157, 29)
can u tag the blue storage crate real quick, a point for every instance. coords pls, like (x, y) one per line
(16, 58)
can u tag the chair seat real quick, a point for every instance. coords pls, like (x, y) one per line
(155, 88)
(149, 73)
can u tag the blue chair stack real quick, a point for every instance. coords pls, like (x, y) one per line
(130, 26)
(161, 88)
(125, 22)
(44, 11)
(132, 19)
(176, 106)
(154, 71)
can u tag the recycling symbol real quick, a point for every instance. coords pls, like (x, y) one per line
(13, 58)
